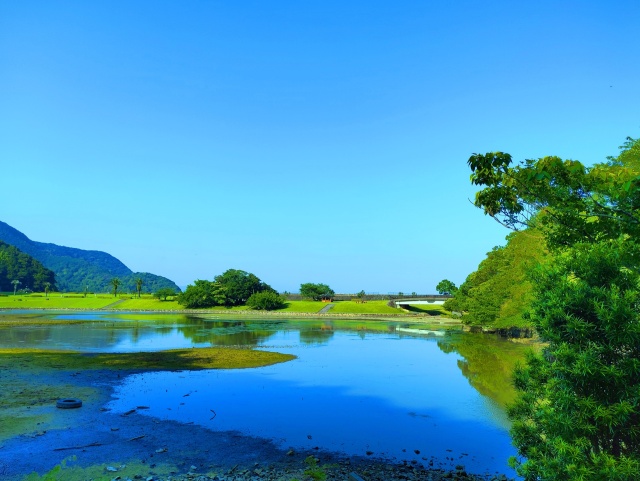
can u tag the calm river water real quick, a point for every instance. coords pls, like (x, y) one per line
(356, 387)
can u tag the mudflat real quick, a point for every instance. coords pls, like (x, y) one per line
(90, 442)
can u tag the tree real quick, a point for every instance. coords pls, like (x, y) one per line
(499, 292)
(203, 294)
(47, 286)
(139, 283)
(163, 293)
(445, 286)
(15, 283)
(266, 301)
(115, 282)
(578, 413)
(239, 285)
(316, 292)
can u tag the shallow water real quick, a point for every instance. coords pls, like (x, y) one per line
(356, 387)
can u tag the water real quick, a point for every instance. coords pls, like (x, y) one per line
(355, 387)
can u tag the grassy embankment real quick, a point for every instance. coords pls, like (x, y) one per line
(146, 302)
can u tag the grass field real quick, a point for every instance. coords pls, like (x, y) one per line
(369, 307)
(55, 301)
(430, 309)
(150, 303)
(303, 306)
(128, 302)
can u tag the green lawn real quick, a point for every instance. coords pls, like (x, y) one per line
(303, 306)
(431, 309)
(149, 303)
(55, 301)
(369, 307)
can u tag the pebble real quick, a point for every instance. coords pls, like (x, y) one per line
(367, 471)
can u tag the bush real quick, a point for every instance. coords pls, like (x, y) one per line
(266, 301)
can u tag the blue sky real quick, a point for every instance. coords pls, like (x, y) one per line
(301, 141)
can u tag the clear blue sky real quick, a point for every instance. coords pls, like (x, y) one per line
(302, 141)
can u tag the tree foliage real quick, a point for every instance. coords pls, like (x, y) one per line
(266, 301)
(578, 413)
(18, 266)
(445, 286)
(164, 293)
(115, 282)
(499, 292)
(240, 285)
(316, 292)
(202, 294)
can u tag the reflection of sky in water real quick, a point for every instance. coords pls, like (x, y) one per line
(380, 394)
(350, 391)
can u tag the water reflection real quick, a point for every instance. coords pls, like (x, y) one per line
(356, 385)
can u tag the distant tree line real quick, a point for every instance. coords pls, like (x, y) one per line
(235, 287)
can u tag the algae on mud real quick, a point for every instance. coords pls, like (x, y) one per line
(27, 395)
(201, 358)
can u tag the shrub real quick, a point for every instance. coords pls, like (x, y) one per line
(266, 301)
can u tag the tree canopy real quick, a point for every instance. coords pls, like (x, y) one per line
(578, 413)
(316, 292)
(499, 292)
(445, 286)
(202, 294)
(240, 285)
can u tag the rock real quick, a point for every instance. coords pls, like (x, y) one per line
(111, 469)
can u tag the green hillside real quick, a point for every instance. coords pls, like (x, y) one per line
(78, 269)
(18, 266)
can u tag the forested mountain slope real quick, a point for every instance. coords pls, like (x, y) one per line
(78, 269)
(27, 271)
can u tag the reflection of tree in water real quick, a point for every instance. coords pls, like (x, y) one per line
(316, 333)
(224, 333)
(488, 363)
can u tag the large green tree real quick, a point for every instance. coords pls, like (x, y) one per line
(578, 413)
(202, 294)
(317, 292)
(240, 285)
(445, 286)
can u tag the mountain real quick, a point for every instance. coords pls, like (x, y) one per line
(27, 271)
(77, 269)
